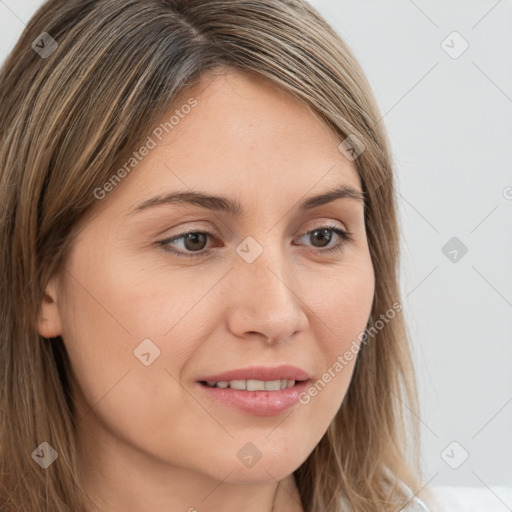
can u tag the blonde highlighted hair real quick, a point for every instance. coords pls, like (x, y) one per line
(72, 117)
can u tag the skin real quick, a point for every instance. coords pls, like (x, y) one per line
(149, 438)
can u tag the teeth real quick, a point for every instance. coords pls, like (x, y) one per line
(237, 384)
(272, 385)
(254, 385)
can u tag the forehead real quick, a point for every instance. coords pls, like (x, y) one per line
(242, 134)
(247, 109)
(239, 118)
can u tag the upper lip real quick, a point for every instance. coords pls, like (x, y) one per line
(259, 373)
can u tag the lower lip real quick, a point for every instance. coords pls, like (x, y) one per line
(260, 403)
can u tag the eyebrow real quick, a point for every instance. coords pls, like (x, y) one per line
(234, 208)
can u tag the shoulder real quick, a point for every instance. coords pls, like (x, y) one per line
(416, 505)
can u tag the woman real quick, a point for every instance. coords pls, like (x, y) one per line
(173, 336)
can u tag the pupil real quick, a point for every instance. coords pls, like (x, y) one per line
(325, 235)
(193, 237)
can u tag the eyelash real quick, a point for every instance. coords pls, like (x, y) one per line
(343, 234)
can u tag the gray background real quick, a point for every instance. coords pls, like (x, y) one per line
(450, 123)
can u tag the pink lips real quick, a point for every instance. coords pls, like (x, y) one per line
(261, 403)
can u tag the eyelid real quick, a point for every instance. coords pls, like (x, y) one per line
(344, 234)
(207, 228)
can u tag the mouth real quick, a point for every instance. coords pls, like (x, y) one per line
(253, 384)
(254, 397)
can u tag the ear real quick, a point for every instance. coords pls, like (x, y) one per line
(49, 324)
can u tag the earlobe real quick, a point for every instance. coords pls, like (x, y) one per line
(49, 323)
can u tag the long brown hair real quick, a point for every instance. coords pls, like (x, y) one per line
(85, 84)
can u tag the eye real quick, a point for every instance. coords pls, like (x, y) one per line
(324, 235)
(195, 241)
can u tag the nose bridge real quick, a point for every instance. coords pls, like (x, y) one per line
(265, 267)
(265, 298)
(268, 281)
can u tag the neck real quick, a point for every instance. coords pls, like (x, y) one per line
(119, 476)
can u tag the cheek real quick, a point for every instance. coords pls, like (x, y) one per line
(97, 309)
(107, 311)
(340, 309)
(99, 344)
(139, 403)
(343, 303)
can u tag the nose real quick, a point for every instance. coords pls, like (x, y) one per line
(265, 300)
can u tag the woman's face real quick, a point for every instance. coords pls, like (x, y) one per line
(274, 285)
